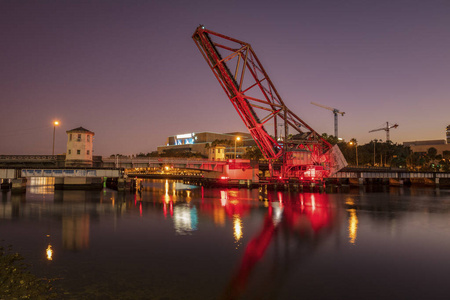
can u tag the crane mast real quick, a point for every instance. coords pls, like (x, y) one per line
(335, 113)
(255, 98)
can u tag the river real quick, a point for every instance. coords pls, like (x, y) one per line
(176, 241)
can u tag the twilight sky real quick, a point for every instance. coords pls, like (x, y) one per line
(129, 70)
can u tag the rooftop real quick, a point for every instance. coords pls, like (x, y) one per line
(79, 130)
(424, 143)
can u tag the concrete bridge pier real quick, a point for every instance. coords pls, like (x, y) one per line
(19, 185)
(59, 183)
(121, 184)
(78, 183)
(5, 185)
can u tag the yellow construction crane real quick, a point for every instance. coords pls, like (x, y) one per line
(335, 112)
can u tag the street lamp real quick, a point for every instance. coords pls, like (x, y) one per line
(356, 149)
(235, 141)
(56, 123)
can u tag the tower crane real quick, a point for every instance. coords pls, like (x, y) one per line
(335, 112)
(304, 154)
(386, 128)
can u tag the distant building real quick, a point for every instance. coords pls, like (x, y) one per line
(200, 143)
(217, 153)
(423, 146)
(448, 134)
(79, 147)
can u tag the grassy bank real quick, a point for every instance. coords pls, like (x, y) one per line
(16, 282)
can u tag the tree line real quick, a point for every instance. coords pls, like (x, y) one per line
(375, 153)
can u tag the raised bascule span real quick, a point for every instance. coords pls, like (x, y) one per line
(302, 152)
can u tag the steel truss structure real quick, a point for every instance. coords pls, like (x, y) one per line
(302, 151)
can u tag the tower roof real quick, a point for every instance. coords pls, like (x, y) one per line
(79, 130)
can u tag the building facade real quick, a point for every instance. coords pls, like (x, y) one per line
(447, 133)
(79, 147)
(201, 143)
(422, 146)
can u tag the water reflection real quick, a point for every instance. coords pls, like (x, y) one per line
(352, 226)
(291, 225)
(241, 244)
(352, 220)
(237, 226)
(41, 185)
(49, 252)
(185, 219)
(75, 232)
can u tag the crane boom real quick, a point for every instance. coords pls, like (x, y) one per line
(335, 112)
(255, 98)
(386, 128)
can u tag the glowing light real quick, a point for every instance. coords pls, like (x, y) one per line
(237, 226)
(166, 168)
(185, 219)
(280, 197)
(223, 177)
(49, 252)
(350, 201)
(185, 136)
(56, 123)
(352, 226)
(166, 187)
(223, 198)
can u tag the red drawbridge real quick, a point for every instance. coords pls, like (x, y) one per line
(304, 154)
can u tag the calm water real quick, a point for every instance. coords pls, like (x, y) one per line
(174, 241)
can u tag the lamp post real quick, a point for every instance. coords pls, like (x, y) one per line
(56, 123)
(235, 141)
(374, 143)
(356, 149)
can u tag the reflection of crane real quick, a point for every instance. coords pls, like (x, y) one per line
(255, 98)
(386, 128)
(335, 112)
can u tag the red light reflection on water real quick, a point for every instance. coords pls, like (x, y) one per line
(304, 216)
(230, 203)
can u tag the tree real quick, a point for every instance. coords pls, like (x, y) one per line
(432, 152)
(330, 138)
(253, 153)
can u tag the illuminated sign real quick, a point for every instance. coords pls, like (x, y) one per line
(185, 136)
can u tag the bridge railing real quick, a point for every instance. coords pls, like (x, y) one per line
(27, 157)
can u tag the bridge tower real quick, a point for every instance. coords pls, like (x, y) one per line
(79, 147)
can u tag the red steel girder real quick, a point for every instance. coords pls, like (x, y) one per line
(255, 98)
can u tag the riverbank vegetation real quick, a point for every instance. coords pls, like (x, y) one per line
(16, 282)
(375, 153)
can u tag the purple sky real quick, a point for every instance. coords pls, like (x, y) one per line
(130, 71)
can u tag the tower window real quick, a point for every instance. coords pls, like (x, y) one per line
(88, 152)
(70, 151)
(88, 139)
(78, 151)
